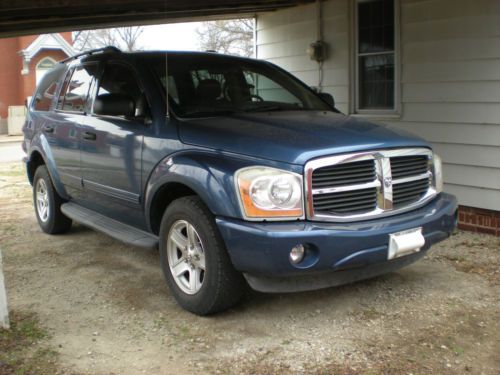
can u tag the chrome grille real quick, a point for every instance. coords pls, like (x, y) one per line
(404, 166)
(368, 184)
(409, 192)
(347, 201)
(344, 174)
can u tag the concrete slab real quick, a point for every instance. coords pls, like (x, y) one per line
(11, 152)
(4, 138)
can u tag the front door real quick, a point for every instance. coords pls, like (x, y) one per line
(111, 150)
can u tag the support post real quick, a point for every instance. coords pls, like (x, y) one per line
(4, 312)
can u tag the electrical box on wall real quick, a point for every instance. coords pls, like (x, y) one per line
(318, 51)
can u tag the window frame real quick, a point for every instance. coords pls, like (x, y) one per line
(59, 82)
(67, 80)
(46, 70)
(94, 89)
(355, 90)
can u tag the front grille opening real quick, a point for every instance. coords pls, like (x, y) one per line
(409, 192)
(359, 189)
(405, 166)
(346, 202)
(354, 173)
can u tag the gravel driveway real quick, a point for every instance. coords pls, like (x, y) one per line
(108, 309)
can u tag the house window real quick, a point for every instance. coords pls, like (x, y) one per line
(375, 55)
(43, 67)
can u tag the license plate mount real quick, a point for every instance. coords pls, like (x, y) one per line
(405, 242)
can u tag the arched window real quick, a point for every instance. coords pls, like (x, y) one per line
(43, 66)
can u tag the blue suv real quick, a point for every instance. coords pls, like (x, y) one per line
(238, 172)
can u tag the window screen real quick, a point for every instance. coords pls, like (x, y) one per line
(375, 54)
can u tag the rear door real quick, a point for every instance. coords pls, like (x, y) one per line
(112, 148)
(62, 127)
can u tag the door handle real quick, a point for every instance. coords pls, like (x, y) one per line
(90, 136)
(48, 129)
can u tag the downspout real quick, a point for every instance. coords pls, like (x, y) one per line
(319, 22)
(255, 56)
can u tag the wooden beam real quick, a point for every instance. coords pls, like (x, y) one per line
(44, 16)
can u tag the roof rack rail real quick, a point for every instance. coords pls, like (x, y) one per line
(91, 52)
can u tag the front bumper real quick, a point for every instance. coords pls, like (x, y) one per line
(338, 253)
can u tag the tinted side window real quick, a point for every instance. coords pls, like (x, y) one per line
(75, 93)
(47, 90)
(120, 79)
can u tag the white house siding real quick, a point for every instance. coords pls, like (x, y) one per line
(283, 37)
(449, 78)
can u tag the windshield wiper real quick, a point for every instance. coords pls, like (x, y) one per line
(272, 108)
(221, 112)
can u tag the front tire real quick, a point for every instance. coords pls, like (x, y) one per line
(48, 204)
(195, 261)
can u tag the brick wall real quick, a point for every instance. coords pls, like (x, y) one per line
(479, 220)
(10, 73)
(14, 87)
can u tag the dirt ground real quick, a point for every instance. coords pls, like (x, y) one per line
(107, 310)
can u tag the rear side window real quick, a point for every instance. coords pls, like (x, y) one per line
(75, 92)
(47, 89)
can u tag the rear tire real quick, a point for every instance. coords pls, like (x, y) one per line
(195, 261)
(48, 204)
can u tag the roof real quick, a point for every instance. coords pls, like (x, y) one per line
(35, 16)
(110, 51)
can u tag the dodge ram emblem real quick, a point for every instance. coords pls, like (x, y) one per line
(387, 182)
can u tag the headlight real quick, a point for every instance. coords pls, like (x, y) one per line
(438, 173)
(269, 193)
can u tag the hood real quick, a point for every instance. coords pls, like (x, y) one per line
(293, 136)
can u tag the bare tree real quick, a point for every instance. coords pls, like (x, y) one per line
(129, 37)
(126, 38)
(228, 36)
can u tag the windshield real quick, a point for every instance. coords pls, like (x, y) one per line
(204, 85)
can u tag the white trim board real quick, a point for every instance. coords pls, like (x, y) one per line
(45, 41)
(4, 312)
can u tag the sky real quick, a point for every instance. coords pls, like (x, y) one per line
(173, 37)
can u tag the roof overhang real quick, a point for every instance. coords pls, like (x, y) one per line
(39, 16)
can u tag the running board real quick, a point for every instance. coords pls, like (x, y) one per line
(111, 227)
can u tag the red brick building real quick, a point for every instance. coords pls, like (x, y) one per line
(23, 61)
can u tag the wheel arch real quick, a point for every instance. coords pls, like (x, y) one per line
(43, 156)
(205, 175)
(163, 197)
(35, 160)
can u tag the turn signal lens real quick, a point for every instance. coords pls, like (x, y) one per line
(438, 173)
(269, 193)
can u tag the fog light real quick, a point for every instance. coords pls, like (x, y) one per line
(297, 254)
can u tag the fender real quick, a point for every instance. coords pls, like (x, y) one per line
(41, 145)
(209, 175)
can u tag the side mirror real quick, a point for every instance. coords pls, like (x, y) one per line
(114, 105)
(327, 98)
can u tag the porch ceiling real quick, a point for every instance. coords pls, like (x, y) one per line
(41, 16)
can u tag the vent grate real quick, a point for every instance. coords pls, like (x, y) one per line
(406, 166)
(344, 174)
(409, 192)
